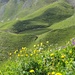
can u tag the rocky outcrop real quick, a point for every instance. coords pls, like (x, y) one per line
(72, 2)
(4, 1)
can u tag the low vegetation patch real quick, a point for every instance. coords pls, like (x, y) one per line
(43, 59)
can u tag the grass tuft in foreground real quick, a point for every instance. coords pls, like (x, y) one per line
(42, 60)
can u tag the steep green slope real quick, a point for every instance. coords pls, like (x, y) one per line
(36, 27)
(65, 23)
(37, 23)
(58, 36)
(44, 17)
(61, 31)
(10, 42)
(15, 9)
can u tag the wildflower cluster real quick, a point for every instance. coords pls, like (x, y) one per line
(41, 60)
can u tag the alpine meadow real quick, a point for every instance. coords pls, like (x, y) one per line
(37, 37)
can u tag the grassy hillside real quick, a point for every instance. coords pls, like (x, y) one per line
(48, 23)
(14, 9)
(64, 24)
(43, 17)
(58, 36)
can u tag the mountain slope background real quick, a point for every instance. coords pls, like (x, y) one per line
(14, 9)
(28, 22)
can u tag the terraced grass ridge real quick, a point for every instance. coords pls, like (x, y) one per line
(24, 23)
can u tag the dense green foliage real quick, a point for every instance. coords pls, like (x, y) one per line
(43, 59)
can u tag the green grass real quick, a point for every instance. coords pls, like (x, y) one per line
(13, 10)
(10, 42)
(58, 36)
(48, 23)
(65, 23)
(43, 59)
(44, 17)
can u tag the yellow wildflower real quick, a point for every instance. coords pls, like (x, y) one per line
(35, 51)
(20, 51)
(58, 74)
(31, 71)
(31, 54)
(63, 56)
(52, 54)
(70, 52)
(18, 55)
(34, 45)
(47, 41)
(26, 55)
(53, 73)
(15, 52)
(10, 54)
(23, 48)
(41, 43)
